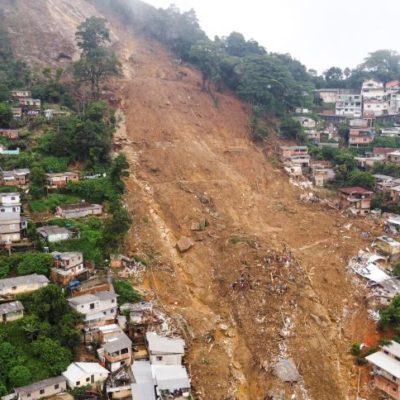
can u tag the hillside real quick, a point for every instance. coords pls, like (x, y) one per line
(267, 276)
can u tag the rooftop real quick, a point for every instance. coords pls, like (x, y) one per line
(393, 348)
(22, 280)
(76, 370)
(162, 344)
(89, 298)
(52, 230)
(34, 387)
(385, 362)
(117, 343)
(355, 189)
(171, 377)
(77, 206)
(14, 306)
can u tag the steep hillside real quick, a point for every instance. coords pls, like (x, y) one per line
(267, 276)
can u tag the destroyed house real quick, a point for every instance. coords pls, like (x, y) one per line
(22, 284)
(388, 247)
(11, 311)
(356, 199)
(60, 179)
(38, 390)
(386, 369)
(78, 210)
(98, 309)
(164, 350)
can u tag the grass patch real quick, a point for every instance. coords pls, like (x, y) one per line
(50, 202)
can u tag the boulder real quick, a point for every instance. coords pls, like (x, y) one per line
(286, 371)
(184, 244)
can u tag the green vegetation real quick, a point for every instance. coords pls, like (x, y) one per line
(49, 203)
(25, 264)
(126, 293)
(41, 344)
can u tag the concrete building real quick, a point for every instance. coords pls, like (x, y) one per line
(116, 352)
(386, 369)
(16, 177)
(80, 374)
(54, 233)
(393, 157)
(144, 386)
(12, 134)
(68, 266)
(356, 199)
(388, 247)
(39, 390)
(60, 179)
(11, 223)
(22, 284)
(98, 309)
(164, 350)
(349, 105)
(79, 210)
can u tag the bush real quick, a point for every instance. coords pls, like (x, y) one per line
(126, 293)
(20, 376)
(39, 263)
(355, 349)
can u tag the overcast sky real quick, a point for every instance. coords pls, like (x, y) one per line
(319, 33)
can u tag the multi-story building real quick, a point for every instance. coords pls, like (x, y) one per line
(68, 266)
(116, 352)
(11, 223)
(98, 309)
(349, 105)
(356, 199)
(386, 369)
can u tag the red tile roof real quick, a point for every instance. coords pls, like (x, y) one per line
(355, 189)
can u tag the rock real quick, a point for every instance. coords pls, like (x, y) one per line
(223, 327)
(199, 226)
(275, 395)
(286, 371)
(184, 244)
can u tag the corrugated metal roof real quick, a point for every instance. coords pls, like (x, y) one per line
(385, 362)
(14, 306)
(22, 280)
(40, 385)
(161, 344)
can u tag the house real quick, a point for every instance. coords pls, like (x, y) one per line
(18, 94)
(54, 233)
(172, 381)
(98, 309)
(68, 266)
(164, 350)
(323, 175)
(372, 89)
(11, 223)
(8, 152)
(376, 108)
(388, 247)
(144, 386)
(360, 136)
(390, 132)
(349, 105)
(29, 103)
(313, 135)
(289, 151)
(22, 284)
(17, 112)
(393, 157)
(306, 122)
(16, 177)
(38, 390)
(329, 96)
(79, 210)
(108, 331)
(395, 191)
(359, 123)
(382, 182)
(386, 369)
(12, 134)
(356, 199)
(382, 150)
(60, 179)
(85, 373)
(116, 352)
(369, 160)
(11, 311)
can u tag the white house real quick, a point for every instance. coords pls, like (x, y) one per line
(98, 309)
(349, 105)
(372, 89)
(39, 390)
(11, 311)
(170, 379)
(85, 373)
(144, 386)
(10, 217)
(306, 122)
(164, 350)
(22, 284)
(54, 233)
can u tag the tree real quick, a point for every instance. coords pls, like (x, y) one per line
(116, 226)
(291, 129)
(20, 376)
(119, 169)
(8, 358)
(361, 178)
(55, 357)
(39, 263)
(383, 65)
(31, 327)
(92, 34)
(6, 115)
(37, 181)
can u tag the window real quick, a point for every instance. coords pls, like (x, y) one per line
(3, 210)
(87, 379)
(56, 386)
(92, 306)
(14, 288)
(112, 300)
(41, 391)
(13, 198)
(159, 358)
(28, 395)
(78, 383)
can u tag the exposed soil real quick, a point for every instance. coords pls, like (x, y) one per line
(267, 277)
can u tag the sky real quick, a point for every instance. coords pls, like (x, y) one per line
(319, 33)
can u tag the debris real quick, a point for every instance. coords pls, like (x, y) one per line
(286, 371)
(199, 226)
(184, 244)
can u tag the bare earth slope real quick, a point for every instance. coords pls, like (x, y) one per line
(267, 277)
